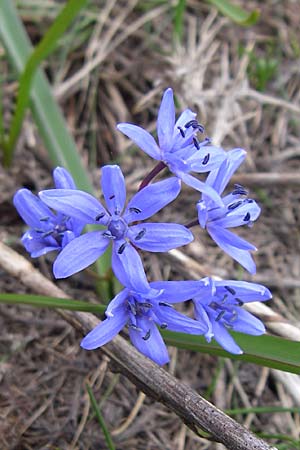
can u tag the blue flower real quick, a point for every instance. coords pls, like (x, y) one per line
(49, 231)
(178, 148)
(142, 312)
(237, 210)
(126, 262)
(219, 306)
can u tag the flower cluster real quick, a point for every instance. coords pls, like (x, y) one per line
(58, 216)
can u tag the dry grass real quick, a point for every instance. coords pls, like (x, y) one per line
(118, 73)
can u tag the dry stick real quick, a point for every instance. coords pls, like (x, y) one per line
(196, 412)
(265, 179)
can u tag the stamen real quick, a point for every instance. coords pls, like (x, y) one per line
(239, 190)
(99, 216)
(164, 325)
(44, 219)
(145, 305)
(134, 327)
(147, 335)
(239, 301)
(195, 125)
(196, 143)
(233, 317)
(205, 159)
(181, 131)
(224, 299)
(132, 308)
(165, 304)
(48, 233)
(220, 315)
(122, 248)
(108, 235)
(230, 289)
(139, 236)
(38, 230)
(111, 197)
(235, 205)
(247, 217)
(136, 210)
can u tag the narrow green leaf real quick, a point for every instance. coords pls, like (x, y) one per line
(235, 13)
(48, 117)
(179, 10)
(50, 121)
(41, 51)
(268, 351)
(43, 301)
(100, 418)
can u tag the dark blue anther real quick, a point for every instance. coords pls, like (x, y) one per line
(220, 315)
(205, 159)
(164, 325)
(122, 248)
(235, 205)
(139, 236)
(44, 219)
(181, 131)
(239, 190)
(247, 217)
(196, 143)
(111, 197)
(136, 210)
(147, 335)
(230, 289)
(100, 216)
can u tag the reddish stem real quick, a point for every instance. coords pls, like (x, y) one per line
(158, 168)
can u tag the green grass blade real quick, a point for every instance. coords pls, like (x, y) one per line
(43, 301)
(235, 13)
(101, 420)
(179, 10)
(49, 119)
(268, 351)
(42, 50)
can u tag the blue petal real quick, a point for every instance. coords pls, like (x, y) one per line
(242, 256)
(166, 121)
(63, 179)
(141, 138)
(152, 199)
(202, 316)
(236, 217)
(31, 209)
(105, 331)
(248, 324)
(159, 237)
(198, 163)
(245, 291)
(220, 178)
(223, 338)
(202, 213)
(128, 267)
(176, 321)
(113, 187)
(116, 303)
(186, 116)
(68, 236)
(75, 203)
(38, 246)
(80, 253)
(176, 291)
(200, 186)
(154, 347)
(228, 238)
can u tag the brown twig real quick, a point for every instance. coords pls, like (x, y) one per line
(194, 410)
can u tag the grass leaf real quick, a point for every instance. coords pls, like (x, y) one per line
(235, 13)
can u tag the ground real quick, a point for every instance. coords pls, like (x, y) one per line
(244, 84)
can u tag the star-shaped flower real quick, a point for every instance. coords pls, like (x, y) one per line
(237, 210)
(121, 227)
(49, 231)
(178, 146)
(219, 306)
(142, 312)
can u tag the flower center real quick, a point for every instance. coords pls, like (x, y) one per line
(117, 227)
